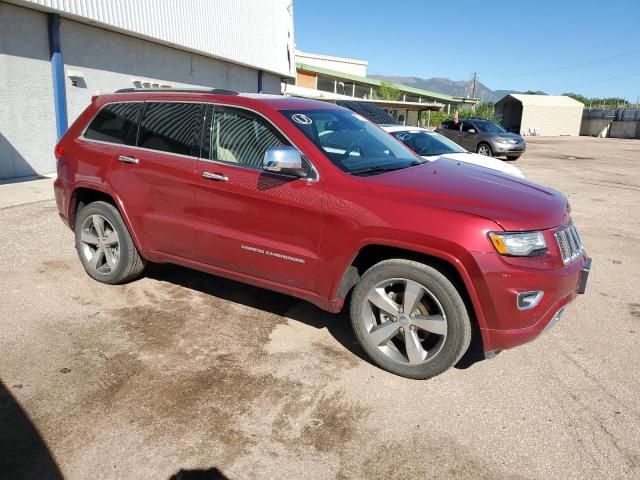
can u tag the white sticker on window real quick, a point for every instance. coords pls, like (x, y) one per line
(301, 119)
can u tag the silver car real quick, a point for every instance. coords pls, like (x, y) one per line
(484, 137)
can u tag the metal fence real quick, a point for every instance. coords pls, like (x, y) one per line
(612, 114)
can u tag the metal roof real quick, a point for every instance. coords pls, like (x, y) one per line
(376, 83)
(251, 33)
(544, 100)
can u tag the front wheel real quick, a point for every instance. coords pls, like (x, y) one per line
(485, 149)
(104, 245)
(410, 319)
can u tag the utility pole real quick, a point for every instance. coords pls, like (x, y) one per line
(473, 89)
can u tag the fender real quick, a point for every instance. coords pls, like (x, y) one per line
(336, 302)
(116, 198)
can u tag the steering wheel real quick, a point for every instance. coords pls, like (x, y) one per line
(346, 154)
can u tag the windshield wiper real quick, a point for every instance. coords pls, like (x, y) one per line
(380, 168)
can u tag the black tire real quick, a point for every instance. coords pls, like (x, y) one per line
(482, 146)
(513, 158)
(129, 264)
(458, 335)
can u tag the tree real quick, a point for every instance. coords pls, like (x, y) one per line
(389, 92)
(485, 111)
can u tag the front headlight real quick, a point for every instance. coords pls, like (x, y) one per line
(519, 244)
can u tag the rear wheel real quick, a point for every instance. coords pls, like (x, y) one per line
(104, 245)
(410, 319)
(485, 149)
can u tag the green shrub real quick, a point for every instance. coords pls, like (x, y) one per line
(484, 111)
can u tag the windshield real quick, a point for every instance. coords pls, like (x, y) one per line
(351, 142)
(489, 127)
(427, 144)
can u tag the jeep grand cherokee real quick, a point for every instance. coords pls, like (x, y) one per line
(312, 200)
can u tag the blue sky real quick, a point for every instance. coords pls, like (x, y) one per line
(589, 47)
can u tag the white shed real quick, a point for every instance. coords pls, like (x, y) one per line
(545, 115)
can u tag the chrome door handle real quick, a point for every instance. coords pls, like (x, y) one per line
(215, 176)
(125, 159)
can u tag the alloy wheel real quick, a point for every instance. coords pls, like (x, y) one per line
(484, 150)
(100, 244)
(405, 321)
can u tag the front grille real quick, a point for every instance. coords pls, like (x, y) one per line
(570, 244)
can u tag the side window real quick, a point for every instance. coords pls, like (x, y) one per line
(172, 127)
(115, 123)
(454, 126)
(466, 126)
(241, 137)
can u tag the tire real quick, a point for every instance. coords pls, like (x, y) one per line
(484, 149)
(110, 257)
(443, 336)
(512, 158)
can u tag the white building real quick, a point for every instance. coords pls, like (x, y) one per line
(56, 54)
(544, 115)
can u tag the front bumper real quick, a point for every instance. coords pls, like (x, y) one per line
(509, 148)
(508, 326)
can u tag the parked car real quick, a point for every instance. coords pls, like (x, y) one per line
(250, 188)
(484, 137)
(433, 146)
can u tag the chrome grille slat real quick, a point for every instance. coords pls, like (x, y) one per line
(569, 243)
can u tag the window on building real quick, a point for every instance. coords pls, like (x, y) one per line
(115, 123)
(344, 88)
(172, 127)
(363, 91)
(241, 137)
(411, 98)
(326, 84)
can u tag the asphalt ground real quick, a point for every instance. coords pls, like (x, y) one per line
(187, 376)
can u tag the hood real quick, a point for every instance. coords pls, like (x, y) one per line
(482, 161)
(514, 203)
(508, 135)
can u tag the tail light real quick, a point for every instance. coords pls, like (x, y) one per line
(58, 151)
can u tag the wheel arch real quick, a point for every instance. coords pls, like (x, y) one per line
(83, 195)
(451, 267)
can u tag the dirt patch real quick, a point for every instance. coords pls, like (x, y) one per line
(333, 422)
(634, 309)
(54, 265)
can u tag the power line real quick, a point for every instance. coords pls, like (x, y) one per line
(577, 66)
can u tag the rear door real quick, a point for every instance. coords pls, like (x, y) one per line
(262, 224)
(155, 177)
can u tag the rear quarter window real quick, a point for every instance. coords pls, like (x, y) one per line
(115, 123)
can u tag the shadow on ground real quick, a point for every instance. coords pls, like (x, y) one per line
(208, 474)
(23, 452)
(338, 325)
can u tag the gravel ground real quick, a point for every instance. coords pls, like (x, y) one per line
(185, 375)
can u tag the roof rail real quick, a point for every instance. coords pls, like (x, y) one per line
(218, 91)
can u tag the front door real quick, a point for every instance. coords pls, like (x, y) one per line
(466, 139)
(249, 221)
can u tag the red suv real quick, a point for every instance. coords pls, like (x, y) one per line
(312, 200)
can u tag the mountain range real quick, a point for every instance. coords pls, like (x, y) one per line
(458, 88)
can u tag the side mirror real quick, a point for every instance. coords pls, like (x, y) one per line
(472, 131)
(284, 160)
